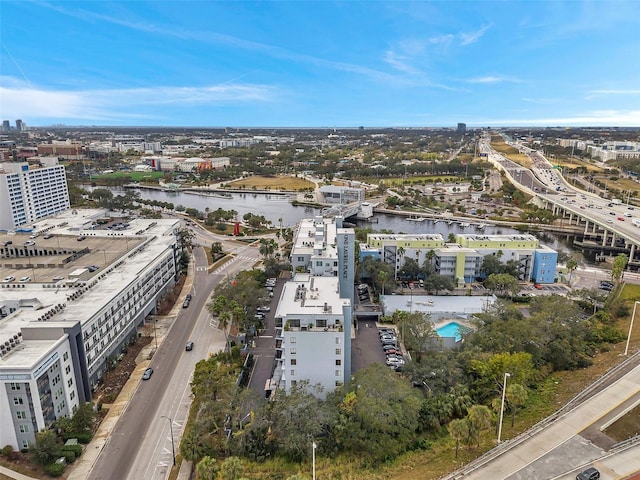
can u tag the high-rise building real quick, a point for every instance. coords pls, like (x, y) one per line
(28, 194)
(6, 125)
(462, 128)
(315, 312)
(20, 125)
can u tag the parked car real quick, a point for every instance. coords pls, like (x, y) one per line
(186, 303)
(48, 236)
(189, 346)
(392, 351)
(147, 373)
(590, 473)
(388, 347)
(7, 243)
(264, 308)
(8, 279)
(188, 297)
(25, 279)
(81, 238)
(259, 316)
(29, 243)
(92, 268)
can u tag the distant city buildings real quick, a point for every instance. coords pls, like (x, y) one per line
(29, 192)
(20, 126)
(462, 128)
(607, 151)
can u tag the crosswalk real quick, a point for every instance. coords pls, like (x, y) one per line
(222, 268)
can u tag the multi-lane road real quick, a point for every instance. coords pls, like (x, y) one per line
(141, 445)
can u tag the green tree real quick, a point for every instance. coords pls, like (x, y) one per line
(194, 446)
(207, 469)
(619, 265)
(572, 264)
(516, 396)
(232, 469)
(479, 417)
(84, 418)
(46, 449)
(459, 431)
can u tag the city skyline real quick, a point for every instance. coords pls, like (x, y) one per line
(320, 64)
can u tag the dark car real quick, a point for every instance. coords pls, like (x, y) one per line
(189, 346)
(147, 373)
(188, 297)
(589, 474)
(81, 238)
(186, 303)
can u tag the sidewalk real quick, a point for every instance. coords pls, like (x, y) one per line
(81, 469)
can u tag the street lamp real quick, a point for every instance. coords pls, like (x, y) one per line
(313, 459)
(504, 391)
(635, 305)
(173, 447)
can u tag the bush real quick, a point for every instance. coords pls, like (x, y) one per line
(55, 469)
(76, 449)
(7, 451)
(69, 456)
(83, 437)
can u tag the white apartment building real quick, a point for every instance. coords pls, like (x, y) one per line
(28, 194)
(313, 334)
(60, 329)
(318, 301)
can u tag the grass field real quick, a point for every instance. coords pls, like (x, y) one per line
(280, 182)
(624, 184)
(132, 176)
(575, 163)
(510, 152)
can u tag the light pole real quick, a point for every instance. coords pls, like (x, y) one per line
(635, 305)
(313, 460)
(504, 391)
(173, 447)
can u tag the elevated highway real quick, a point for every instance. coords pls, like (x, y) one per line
(607, 229)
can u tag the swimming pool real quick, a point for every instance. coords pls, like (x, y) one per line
(451, 329)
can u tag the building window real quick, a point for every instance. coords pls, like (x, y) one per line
(338, 361)
(337, 340)
(338, 351)
(24, 428)
(321, 323)
(294, 383)
(70, 382)
(292, 340)
(338, 383)
(294, 361)
(17, 401)
(15, 386)
(21, 415)
(293, 373)
(73, 395)
(25, 444)
(337, 373)
(292, 351)
(67, 369)
(65, 356)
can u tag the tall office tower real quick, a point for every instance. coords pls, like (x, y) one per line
(28, 194)
(462, 128)
(6, 125)
(19, 125)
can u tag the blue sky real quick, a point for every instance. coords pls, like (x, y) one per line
(320, 64)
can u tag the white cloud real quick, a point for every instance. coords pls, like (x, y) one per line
(22, 100)
(616, 92)
(628, 118)
(472, 37)
(494, 79)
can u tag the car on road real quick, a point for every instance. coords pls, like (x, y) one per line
(33, 235)
(621, 219)
(259, 316)
(8, 279)
(25, 279)
(590, 473)
(186, 303)
(189, 346)
(81, 238)
(188, 297)
(48, 236)
(92, 268)
(29, 243)
(147, 373)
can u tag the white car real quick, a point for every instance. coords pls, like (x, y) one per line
(25, 279)
(8, 279)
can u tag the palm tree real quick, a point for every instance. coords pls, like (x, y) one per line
(572, 264)
(479, 419)
(382, 277)
(459, 430)
(400, 253)
(517, 395)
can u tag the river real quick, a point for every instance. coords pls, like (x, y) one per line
(276, 207)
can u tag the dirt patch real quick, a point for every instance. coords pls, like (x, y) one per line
(115, 379)
(167, 302)
(21, 463)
